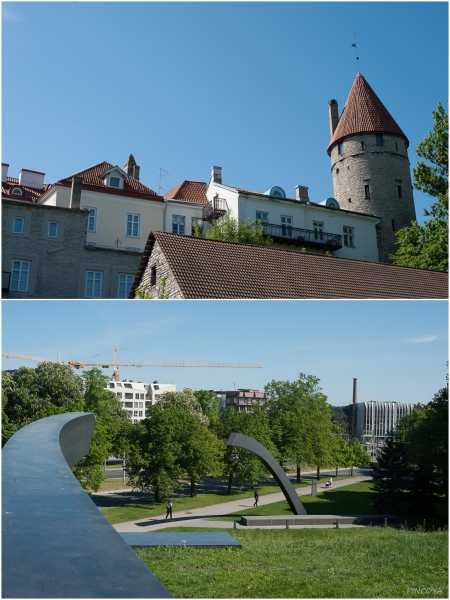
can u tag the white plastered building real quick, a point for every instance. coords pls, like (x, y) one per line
(136, 397)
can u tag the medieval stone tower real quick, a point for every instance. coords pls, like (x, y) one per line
(369, 163)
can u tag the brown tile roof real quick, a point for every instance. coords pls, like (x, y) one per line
(213, 269)
(190, 191)
(364, 112)
(92, 180)
(29, 194)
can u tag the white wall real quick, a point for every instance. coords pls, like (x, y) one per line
(189, 210)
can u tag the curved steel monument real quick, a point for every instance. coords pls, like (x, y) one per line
(56, 543)
(254, 447)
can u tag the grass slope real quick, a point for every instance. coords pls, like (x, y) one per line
(308, 563)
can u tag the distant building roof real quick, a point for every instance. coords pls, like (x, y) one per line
(205, 268)
(92, 180)
(29, 194)
(363, 113)
(189, 191)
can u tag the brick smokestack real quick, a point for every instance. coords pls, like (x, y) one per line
(355, 391)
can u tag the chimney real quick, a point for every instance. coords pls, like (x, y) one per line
(131, 168)
(333, 114)
(355, 391)
(4, 171)
(216, 174)
(301, 193)
(75, 193)
(34, 179)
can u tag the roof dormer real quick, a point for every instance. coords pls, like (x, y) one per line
(114, 178)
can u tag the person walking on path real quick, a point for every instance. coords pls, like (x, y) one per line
(331, 482)
(256, 497)
(169, 507)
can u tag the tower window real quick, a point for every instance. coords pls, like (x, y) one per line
(341, 147)
(367, 191)
(396, 146)
(379, 139)
(337, 171)
(399, 191)
(363, 147)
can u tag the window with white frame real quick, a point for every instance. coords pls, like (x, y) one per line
(20, 275)
(178, 224)
(133, 225)
(125, 283)
(18, 225)
(286, 226)
(52, 229)
(114, 182)
(128, 396)
(17, 191)
(92, 219)
(318, 230)
(93, 284)
(349, 234)
(262, 216)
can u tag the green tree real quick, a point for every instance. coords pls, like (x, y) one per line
(392, 476)
(238, 462)
(32, 394)
(112, 424)
(426, 246)
(210, 406)
(340, 419)
(358, 456)
(173, 442)
(229, 229)
(342, 454)
(288, 408)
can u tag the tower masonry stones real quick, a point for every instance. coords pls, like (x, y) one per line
(370, 165)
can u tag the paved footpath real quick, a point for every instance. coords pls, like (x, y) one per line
(196, 517)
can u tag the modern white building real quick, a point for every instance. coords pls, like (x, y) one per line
(136, 397)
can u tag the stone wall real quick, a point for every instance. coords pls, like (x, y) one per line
(59, 265)
(383, 168)
(163, 270)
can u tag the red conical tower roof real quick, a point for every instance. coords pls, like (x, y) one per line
(364, 113)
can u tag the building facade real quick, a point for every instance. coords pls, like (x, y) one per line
(297, 223)
(242, 400)
(136, 397)
(370, 164)
(45, 255)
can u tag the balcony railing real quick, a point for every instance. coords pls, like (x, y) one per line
(214, 209)
(301, 237)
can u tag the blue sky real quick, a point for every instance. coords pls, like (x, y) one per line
(397, 350)
(184, 86)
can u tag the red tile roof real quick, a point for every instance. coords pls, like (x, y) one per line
(213, 269)
(364, 112)
(190, 191)
(29, 194)
(92, 180)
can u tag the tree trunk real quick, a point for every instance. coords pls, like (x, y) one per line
(351, 471)
(298, 474)
(157, 499)
(337, 471)
(318, 473)
(230, 481)
(193, 494)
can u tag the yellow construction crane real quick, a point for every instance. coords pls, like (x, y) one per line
(116, 364)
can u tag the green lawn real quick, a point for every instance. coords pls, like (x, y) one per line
(352, 499)
(308, 563)
(135, 511)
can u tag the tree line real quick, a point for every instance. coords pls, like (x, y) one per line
(183, 435)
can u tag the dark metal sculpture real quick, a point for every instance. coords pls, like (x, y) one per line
(56, 543)
(254, 447)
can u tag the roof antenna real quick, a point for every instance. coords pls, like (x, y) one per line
(161, 174)
(356, 49)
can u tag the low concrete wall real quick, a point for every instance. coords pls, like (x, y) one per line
(320, 520)
(55, 541)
